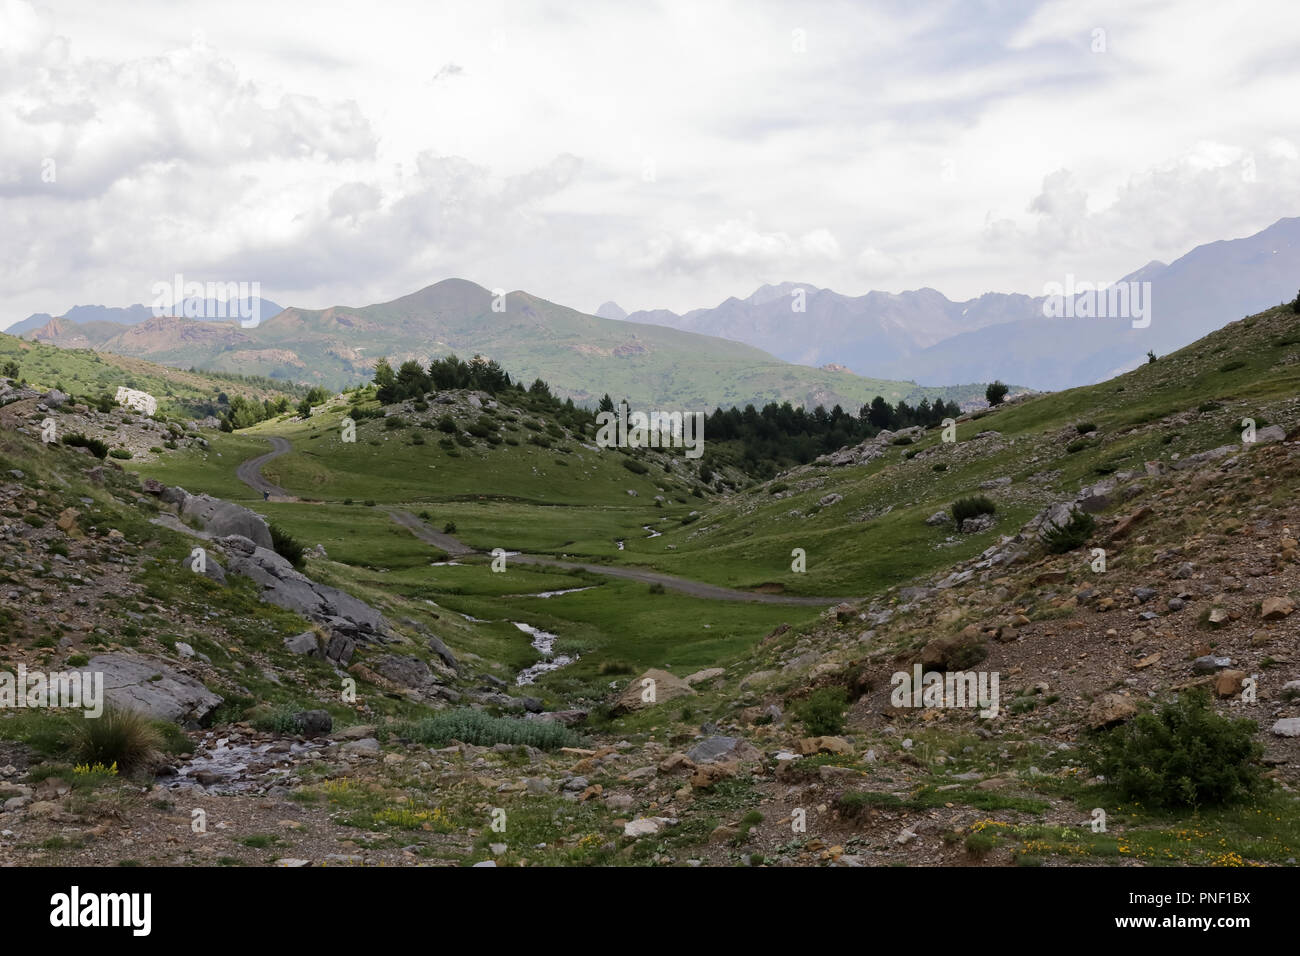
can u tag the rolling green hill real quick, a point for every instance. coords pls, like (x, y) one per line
(87, 373)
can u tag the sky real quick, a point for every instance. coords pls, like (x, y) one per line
(661, 155)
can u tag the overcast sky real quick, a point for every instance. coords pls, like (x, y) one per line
(657, 154)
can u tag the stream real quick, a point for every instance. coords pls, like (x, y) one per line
(224, 766)
(544, 643)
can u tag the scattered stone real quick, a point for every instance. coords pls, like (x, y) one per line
(1110, 709)
(1276, 608)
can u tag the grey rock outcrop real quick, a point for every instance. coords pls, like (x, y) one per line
(222, 518)
(288, 588)
(150, 686)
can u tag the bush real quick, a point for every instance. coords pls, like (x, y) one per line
(97, 447)
(482, 730)
(822, 711)
(121, 454)
(1079, 444)
(1084, 427)
(286, 546)
(445, 424)
(123, 737)
(1073, 534)
(964, 508)
(777, 488)
(449, 528)
(996, 393)
(634, 466)
(1295, 307)
(1182, 755)
(939, 467)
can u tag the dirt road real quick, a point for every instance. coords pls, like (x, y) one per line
(250, 471)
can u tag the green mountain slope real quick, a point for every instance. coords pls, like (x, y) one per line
(581, 356)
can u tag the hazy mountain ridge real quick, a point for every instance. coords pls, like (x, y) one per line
(922, 335)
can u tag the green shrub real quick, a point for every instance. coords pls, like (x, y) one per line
(97, 447)
(634, 466)
(123, 737)
(121, 454)
(901, 440)
(1060, 538)
(1084, 427)
(449, 528)
(286, 546)
(996, 393)
(1079, 444)
(822, 711)
(445, 424)
(777, 488)
(939, 467)
(1232, 366)
(483, 730)
(964, 508)
(1182, 755)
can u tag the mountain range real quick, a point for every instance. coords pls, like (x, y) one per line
(926, 337)
(790, 341)
(580, 356)
(93, 316)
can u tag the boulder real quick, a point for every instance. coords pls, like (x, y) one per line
(1229, 683)
(1110, 709)
(823, 745)
(284, 586)
(443, 651)
(1276, 608)
(704, 676)
(639, 694)
(1287, 727)
(152, 687)
(304, 643)
(222, 518)
(714, 749)
(406, 671)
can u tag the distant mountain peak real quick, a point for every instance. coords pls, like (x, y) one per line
(612, 310)
(766, 293)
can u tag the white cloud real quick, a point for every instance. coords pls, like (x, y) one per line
(964, 147)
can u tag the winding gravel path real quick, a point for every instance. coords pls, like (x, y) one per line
(250, 470)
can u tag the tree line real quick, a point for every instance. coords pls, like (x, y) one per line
(779, 434)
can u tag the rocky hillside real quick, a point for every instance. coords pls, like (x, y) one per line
(327, 710)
